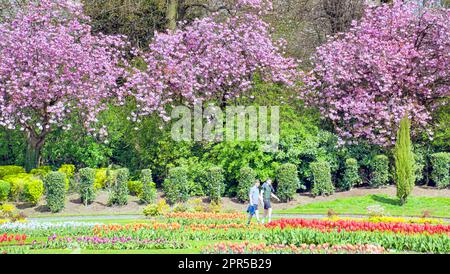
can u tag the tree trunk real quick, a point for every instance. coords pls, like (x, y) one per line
(171, 14)
(33, 152)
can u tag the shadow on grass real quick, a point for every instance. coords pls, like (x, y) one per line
(386, 200)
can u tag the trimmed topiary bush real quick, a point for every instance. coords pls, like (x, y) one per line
(148, 194)
(86, 185)
(440, 174)
(119, 188)
(55, 188)
(405, 167)
(380, 171)
(246, 180)
(322, 183)
(5, 189)
(351, 174)
(287, 182)
(10, 170)
(176, 185)
(215, 184)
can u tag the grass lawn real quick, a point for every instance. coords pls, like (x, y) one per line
(415, 206)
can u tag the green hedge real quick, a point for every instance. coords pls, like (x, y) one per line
(246, 179)
(119, 189)
(148, 194)
(440, 173)
(86, 185)
(176, 185)
(322, 183)
(215, 183)
(55, 186)
(380, 171)
(287, 182)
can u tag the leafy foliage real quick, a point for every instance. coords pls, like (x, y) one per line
(5, 188)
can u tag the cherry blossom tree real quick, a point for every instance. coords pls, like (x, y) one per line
(213, 58)
(51, 68)
(394, 61)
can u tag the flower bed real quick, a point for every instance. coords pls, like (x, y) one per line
(418, 242)
(353, 225)
(292, 236)
(387, 219)
(247, 248)
(12, 238)
(39, 229)
(205, 217)
(94, 242)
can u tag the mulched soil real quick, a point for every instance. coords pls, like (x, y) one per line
(100, 207)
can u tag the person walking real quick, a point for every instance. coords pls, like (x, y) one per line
(267, 192)
(255, 196)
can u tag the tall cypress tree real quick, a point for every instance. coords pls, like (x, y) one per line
(404, 161)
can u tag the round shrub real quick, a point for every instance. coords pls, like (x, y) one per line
(322, 183)
(351, 174)
(17, 183)
(119, 188)
(148, 194)
(157, 209)
(5, 188)
(55, 186)
(135, 188)
(175, 186)
(25, 187)
(287, 182)
(215, 184)
(10, 170)
(86, 185)
(380, 171)
(246, 179)
(33, 190)
(440, 173)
